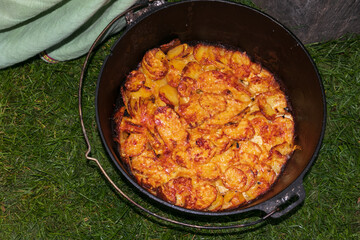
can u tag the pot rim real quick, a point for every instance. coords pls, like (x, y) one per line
(269, 204)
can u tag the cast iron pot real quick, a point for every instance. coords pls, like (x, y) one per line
(266, 41)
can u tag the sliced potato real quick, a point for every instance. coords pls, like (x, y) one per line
(169, 95)
(203, 127)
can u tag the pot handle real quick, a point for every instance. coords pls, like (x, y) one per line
(131, 16)
(141, 4)
(286, 201)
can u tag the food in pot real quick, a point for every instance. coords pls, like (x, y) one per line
(203, 127)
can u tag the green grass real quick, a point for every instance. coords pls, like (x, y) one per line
(48, 190)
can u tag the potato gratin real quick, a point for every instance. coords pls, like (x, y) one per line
(203, 127)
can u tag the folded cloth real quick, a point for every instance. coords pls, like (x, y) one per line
(59, 30)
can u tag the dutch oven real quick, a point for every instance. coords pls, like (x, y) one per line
(262, 38)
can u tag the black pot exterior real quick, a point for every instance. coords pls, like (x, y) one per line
(265, 40)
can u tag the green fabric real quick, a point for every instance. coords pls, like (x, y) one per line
(13, 12)
(64, 29)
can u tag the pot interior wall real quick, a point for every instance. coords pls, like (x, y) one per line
(230, 24)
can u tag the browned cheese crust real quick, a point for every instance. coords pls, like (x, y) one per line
(203, 127)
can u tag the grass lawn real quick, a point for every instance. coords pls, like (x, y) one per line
(48, 190)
